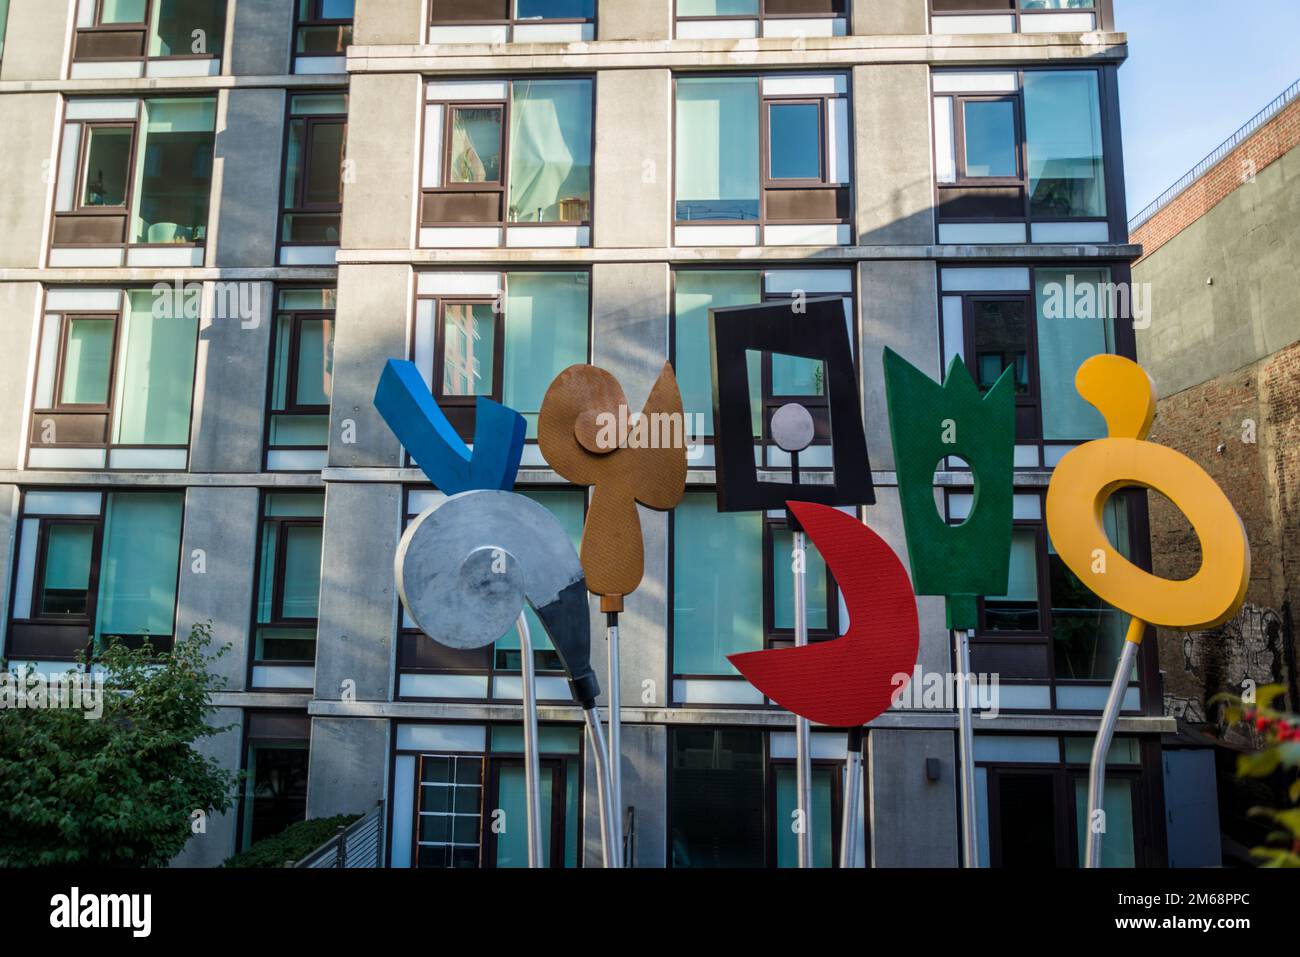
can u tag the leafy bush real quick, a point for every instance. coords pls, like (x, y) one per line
(119, 790)
(293, 843)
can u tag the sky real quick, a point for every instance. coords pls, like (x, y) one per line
(1197, 70)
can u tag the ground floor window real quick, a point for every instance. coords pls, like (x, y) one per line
(276, 752)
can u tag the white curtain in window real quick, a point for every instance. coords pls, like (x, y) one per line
(717, 141)
(139, 562)
(550, 150)
(156, 375)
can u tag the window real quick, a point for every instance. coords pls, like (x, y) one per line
(322, 35)
(732, 591)
(155, 38)
(1054, 642)
(114, 381)
(93, 568)
(704, 19)
(1043, 322)
(762, 160)
(302, 377)
(133, 183)
(500, 335)
(430, 671)
(276, 756)
(288, 590)
(1031, 796)
(1024, 16)
(732, 796)
(1020, 147)
(507, 163)
(4, 22)
(316, 141)
(502, 21)
(774, 379)
(470, 803)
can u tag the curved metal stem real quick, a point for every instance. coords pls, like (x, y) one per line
(966, 752)
(615, 742)
(600, 753)
(1101, 747)
(803, 741)
(532, 763)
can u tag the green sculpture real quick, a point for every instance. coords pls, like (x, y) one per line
(927, 422)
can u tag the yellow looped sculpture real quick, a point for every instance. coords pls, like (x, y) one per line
(1087, 476)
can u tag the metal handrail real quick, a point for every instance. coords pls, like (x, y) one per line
(629, 837)
(1222, 150)
(360, 844)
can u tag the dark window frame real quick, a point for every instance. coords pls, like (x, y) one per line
(512, 19)
(143, 27)
(297, 205)
(247, 740)
(88, 127)
(763, 14)
(292, 408)
(959, 102)
(315, 20)
(276, 620)
(1102, 10)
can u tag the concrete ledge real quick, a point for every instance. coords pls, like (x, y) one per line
(116, 276)
(261, 699)
(708, 254)
(541, 476)
(32, 477)
(155, 85)
(808, 52)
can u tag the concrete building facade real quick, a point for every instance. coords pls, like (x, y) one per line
(495, 191)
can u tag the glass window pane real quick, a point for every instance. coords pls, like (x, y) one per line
(1017, 610)
(86, 362)
(696, 292)
(1088, 634)
(139, 562)
(550, 151)
(295, 505)
(469, 345)
(122, 11)
(188, 27)
(1117, 802)
(67, 569)
(174, 171)
(717, 586)
(715, 801)
(475, 145)
(796, 375)
(325, 39)
(794, 140)
(315, 361)
(1075, 322)
(108, 164)
(990, 138)
(337, 9)
(787, 840)
(512, 843)
(717, 148)
(156, 379)
(547, 317)
(555, 9)
(1027, 818)
(1001, 335)
(717, 8)
(275, 791)
(1056, 4)
(783, 582)
(324, 186)
(301, 571)
(1063, 133)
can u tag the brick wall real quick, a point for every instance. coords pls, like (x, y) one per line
(1243, 428)
(1267, 144)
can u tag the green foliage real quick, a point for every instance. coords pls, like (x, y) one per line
(1280, 756)
(118, 790)
(293, 843)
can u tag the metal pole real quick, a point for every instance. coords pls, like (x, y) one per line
(532, 766)
(601, 755)
(803, 743)
(615, 740)
(1100, 747)
(852, 790)
(966, 750)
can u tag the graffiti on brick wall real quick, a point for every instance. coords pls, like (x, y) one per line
(1247, 648)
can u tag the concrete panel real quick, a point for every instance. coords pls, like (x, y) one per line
(1222, 292)
(246, 177)
(379, 196)
(913, 821)
(633, 176)
(35, 43)
(348, 765)
(389, 21)
(218, 585)
(261, 38)
(630, 324)
(230, 379)
(373, 303)
(898, 302)
(8, 539)
(634, 20)
(886, 520)
(19, 305)
(27, 167)
(890, 17)
(217, 842)
(892, 161)
(645, 768)
(358, 598)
